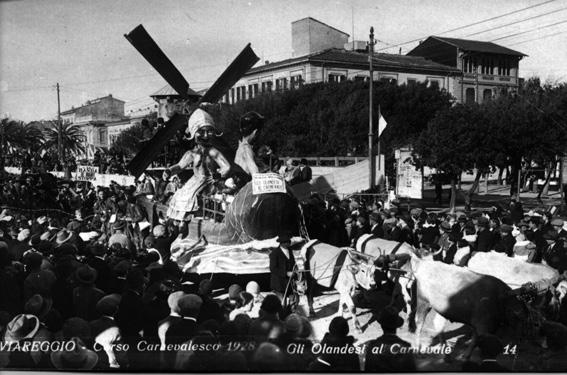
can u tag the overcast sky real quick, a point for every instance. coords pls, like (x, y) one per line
(80, 43)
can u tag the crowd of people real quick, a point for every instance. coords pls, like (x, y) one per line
(91, 286)
(97, 274)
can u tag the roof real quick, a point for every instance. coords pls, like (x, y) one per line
(479, 46)
(91, 102)
(322, 23)
(382, 61)
(167, 90)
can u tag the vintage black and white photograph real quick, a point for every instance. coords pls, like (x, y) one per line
(283, 186)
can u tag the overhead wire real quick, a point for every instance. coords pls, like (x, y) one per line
(474, 23)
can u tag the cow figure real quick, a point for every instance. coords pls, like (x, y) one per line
(391, 253)
(458, 294)
(339, 268)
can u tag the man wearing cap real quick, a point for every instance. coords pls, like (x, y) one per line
(201, 128)
(444, 241)
(282, 262)
(557, 225)
(383, 354)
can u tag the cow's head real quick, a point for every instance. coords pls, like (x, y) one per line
(362, 268)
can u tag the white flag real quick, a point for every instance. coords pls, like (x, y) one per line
(381, 124)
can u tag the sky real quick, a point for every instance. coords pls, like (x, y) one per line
(80, 44)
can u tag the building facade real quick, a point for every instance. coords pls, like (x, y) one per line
(469, 70)
(101, 121)
(486, 69)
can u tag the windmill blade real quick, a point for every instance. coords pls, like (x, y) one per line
(144, 157)
(144, 43)
(243, 62)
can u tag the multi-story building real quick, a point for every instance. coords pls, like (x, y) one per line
(321, 53)
(486, 69)
(92, 118)
(101, 121)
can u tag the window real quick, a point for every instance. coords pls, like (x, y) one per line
(412, 81)
(435, 83)
(296, 81)
(281, 84)
(252, 90)
(267, 86)
(336, 78)
(504, 67)
(487, 66)
(469, 65)
(486, 95)
(470, 96)
(360, 78)
(232, 95)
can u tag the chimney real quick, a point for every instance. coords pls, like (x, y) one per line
(400, 52)
(267, 62)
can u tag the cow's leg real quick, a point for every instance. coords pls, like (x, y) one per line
(423, 310)
(311, 285)
(412, 325)
(347, 299)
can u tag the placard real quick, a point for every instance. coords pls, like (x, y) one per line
(410, 180)
(263, 183)
(86, 173)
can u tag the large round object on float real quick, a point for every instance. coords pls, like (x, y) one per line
(259, 217)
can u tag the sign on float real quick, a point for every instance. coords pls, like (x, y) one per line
(86, 173)
(263, 183)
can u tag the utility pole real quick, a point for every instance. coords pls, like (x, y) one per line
(59, 129)
(371, 160)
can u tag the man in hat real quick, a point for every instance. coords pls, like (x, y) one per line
(106, 332)
(383, 354)
(97, 260)
(119, 236)
(536, 235)
(76, 357)
(444, 241)
(38, 281)
(485, 238)
(402, 232)
(555, 255)
(282, 262)
(506, 242)
(17, 251)
(305, 173)
(557, 225)
(183, 330)
(86, 295)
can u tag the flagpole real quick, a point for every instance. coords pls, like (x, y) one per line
(378, 138)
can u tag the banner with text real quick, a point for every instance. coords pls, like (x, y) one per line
(410, 180)
(267, 183)
(86, 173)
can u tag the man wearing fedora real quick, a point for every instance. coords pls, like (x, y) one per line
(106, 333)
(282, 262)
(86, 295)
(382, 354)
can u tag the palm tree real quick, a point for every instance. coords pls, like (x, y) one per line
(72, 139)
(15, 137)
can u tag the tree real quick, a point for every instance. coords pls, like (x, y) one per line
(457, 139)
(528, 127)
(17, 138)
(72, 139)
